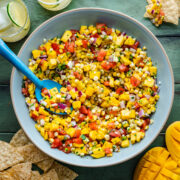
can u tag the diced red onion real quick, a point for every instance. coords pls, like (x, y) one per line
(75, 89)
(68, 97)
(111, 58)
(122, 104)
(152, 12)
(141, 113)
(62, 106)
(80, 93)
(147, 96)
(43, 57)
(147, 72)
(123, 33)
(95, 39)
(155, 93)
(68, 83)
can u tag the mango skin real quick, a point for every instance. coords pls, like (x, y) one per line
(173, 140)
(157, 164)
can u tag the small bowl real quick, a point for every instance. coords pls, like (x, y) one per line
(73, 20)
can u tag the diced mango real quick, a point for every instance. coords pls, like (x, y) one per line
(66, 36)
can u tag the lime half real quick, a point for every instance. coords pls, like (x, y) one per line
(17, 13)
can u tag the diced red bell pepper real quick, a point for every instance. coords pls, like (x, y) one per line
(25, 91)
(147, 121)
(134, 81)
(45, 91)
(85, 43)
(69, 87)
(143, 126)
(70, 47)
(55, 47)
(108, 31)
(106, 83)
(67, 149)
(93, 126)
(77, 75)
(111, 125)
(83, 110)
(51, 134)
(90, 115)
(101, 54)
(113, 112)
(100, 26)
(123, 68)
(62, 132)
(56, 143)
(34, 116)
(41, 117)
(77, 133)
(135, 46)
(106, 65)
(108, 150)
(81, 117)
(120, 90)
(115, 133)
(137, 106)
(77, 140)
(68, 142)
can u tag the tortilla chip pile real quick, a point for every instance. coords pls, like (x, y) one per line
(17, 157)
(163, 10)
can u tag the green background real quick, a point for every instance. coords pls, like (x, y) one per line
(169, 36)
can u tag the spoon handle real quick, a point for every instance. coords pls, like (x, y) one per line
(13, 59)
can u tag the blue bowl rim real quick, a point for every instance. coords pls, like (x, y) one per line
(131, 19)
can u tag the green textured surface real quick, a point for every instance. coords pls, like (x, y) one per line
(169, 36)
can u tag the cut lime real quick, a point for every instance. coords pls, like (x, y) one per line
(49, 3)
(17, 13)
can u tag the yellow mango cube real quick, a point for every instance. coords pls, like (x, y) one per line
(76, 104)
(149, 82)
(52, 63)
(66, 36)
(36, 53)
(125, 143)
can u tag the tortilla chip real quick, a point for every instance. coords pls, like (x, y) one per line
(45, 165)
(147, 15)
(19, 139)
(8, 156)
(64, 173)
(31, 153)
(35, 175)
(51, 175)
(20, 171)
(170, 9)
(178, 4)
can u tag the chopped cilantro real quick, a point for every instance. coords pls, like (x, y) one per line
(131, 57)
(124, 138)
(83, 137)
(61, 66)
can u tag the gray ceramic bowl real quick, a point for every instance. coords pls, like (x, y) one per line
(73, 20)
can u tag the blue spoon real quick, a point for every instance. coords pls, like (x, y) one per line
(13, 59)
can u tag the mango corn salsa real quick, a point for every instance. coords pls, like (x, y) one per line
(109, 91)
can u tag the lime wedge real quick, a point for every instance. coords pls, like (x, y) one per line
(17, 13)
(49, 5)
